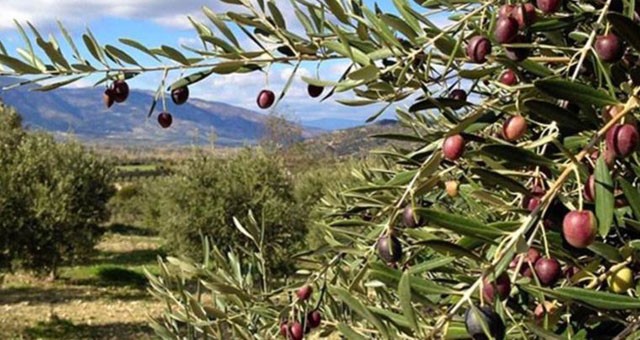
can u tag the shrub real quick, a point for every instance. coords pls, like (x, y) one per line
(315, 187)
(52, 201)
(206, 194)
(128, 205)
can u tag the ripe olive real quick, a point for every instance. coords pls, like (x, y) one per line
(389, 249)
(477, 320)
(265, 99)
(165, 119)
(180, 95)
(514, 128)
(453, 147)
(622, 139)
(547, 271)
(478, 48)
(579, 228)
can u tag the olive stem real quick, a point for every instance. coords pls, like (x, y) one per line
(587, 47)
(162, 85)
(172, 67)
(580, 188)
(602, 277)
(632, 327)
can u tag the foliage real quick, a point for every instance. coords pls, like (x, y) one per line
(508, 187)
(280, 132)
(129, 204)
(53, 198)
(315, 182)
(206, 194)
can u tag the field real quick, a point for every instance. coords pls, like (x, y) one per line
(102, 298)
(105, 296)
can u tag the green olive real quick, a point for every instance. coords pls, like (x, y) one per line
(621, 280)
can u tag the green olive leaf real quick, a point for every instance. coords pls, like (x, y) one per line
(604, 197)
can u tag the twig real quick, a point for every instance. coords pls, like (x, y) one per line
(632, 327)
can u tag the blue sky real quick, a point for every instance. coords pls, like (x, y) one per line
(158, 22)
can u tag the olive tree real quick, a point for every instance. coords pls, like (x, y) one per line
(513, 213)
(207, 194)
(53, 198)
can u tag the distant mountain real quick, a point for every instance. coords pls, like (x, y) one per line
(331, 124)
(81, 112)
(355, 141)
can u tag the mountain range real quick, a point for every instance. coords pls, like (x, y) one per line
(80, 112)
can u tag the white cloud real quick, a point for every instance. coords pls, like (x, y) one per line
(169, 13)
(242, 89)
(191, 42)
(44, 12)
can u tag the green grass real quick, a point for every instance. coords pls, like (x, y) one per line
(79, 304)
(106, 275)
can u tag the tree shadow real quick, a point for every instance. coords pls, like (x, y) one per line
(130, 230)
(136, 257)
(65, 329)
(112, 276)
(61, 295)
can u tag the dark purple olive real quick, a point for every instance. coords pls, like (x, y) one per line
(484, 323)
(408, 218)
(517, 53)
(284, 329)
(458, 94)
(622, 139)
(165, 119)
(590, 189)
(314, 319)
(478, 48)
(120, 90)
(180, 95)
(304, 292)
(500, 288)
(389, 249)
(525, 15)
(506, 30)
(107, 98)
(505, 11)
(314, 91)
(265, 99)
(296, 332)
(527, 263)
(609, 48)
(547, 271)
(548, 6)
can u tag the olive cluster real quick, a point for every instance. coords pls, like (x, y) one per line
(295, 330)
(118, 92)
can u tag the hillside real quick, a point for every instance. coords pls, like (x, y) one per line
(81, 112)
(356, 141)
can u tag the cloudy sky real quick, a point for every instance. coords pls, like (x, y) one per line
(164, 22)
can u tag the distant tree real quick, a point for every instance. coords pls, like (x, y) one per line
(212, 137)
(206, 194)
(281, 132)
(52, 201)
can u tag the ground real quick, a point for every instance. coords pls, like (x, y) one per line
(104, 298)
